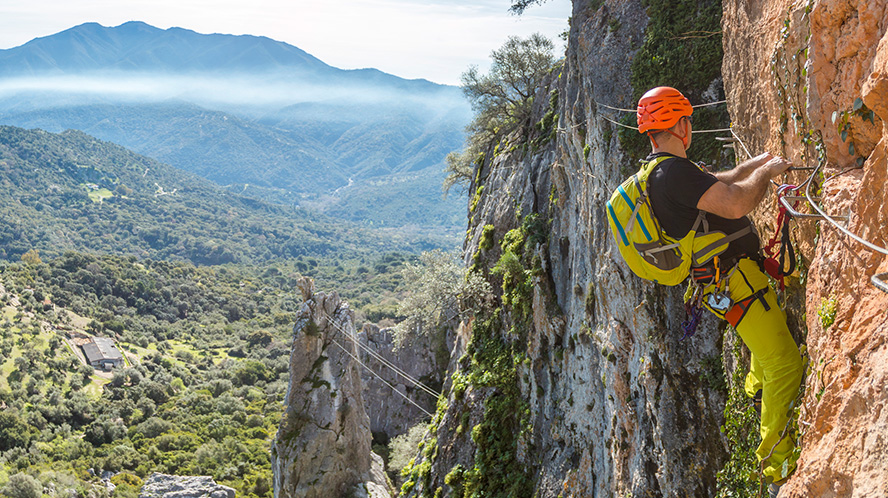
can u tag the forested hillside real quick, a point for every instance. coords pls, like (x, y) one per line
(207, 353)
(70, 191)
(261, 117)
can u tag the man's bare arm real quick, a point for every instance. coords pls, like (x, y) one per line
(743, 169)
(737, 199)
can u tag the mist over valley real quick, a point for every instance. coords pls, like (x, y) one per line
(261, 117)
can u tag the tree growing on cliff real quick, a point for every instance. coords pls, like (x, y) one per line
(439, 292)
(502, 99)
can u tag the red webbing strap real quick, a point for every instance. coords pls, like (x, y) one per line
(781, 235)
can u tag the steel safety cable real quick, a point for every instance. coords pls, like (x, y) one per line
(835, 223)
(386, 363)
(878, 280)
(636, 110)
(720, 130)
(383, 360)
(414, 403)
(394, 367)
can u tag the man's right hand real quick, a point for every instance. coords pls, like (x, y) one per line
(776, 165)
(737, 197)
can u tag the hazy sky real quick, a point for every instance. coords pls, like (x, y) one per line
(435, 40)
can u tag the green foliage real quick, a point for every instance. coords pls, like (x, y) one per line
(14, 432)
(494, 365)
(827, 311)
(842, 120)
(519, 6)
(713, 374)
(502, 100)
(168, 215)
(548, 125)
(204, 396)
(22, 486)
(464, 166)
(291, 156)
(682, 49)
(476, 198)
(739, 477)
(439, 292)
(516, 265)
(486, 241)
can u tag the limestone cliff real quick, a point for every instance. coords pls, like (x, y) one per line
(579, 383)
(322, 447)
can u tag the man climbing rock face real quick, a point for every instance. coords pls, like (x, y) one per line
(730, 284)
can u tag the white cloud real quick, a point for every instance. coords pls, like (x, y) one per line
(409, 38)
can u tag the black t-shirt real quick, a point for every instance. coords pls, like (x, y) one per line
(676, 185)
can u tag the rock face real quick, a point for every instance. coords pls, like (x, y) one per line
(789, 68)
(616, 404)
(322, 447)
(168, 486)
(391, 414)
(600, 397)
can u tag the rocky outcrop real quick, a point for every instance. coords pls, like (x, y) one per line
(322, 447)
(169, 486)
(801, 78)
(423, 359)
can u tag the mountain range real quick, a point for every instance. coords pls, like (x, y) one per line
(258, 116)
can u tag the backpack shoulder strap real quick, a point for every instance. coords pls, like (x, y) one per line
(648, 167)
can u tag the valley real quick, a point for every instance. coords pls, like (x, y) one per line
(262, 118)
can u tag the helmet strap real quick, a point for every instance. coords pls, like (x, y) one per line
(651, 136)
(684, 139)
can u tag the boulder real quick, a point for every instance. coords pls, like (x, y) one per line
(169, 486)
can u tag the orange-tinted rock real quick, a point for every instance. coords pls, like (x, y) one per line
(832, 53)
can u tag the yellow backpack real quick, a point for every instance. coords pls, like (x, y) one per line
(649, 252)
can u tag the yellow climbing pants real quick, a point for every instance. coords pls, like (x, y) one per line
(776, 363)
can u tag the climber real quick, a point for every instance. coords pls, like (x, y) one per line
(732, 284)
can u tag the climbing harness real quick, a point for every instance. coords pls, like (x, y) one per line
(739, 310)
(774, 263)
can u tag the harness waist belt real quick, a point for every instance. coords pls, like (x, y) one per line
(739, 310)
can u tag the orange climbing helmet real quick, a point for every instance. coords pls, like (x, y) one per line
(660, 108)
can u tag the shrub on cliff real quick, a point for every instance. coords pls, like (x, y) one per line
(439, 292)
(22, 486)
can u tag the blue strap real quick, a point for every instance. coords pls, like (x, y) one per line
(637, 216)
(610, 210)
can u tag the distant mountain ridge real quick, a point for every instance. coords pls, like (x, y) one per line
(139, 47)
(247, 111)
